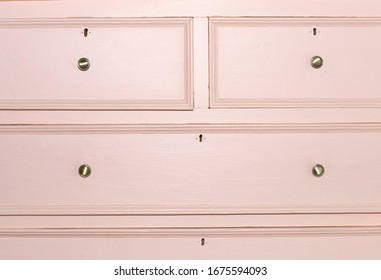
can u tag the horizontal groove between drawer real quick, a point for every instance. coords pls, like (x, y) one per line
(146, 210)
(183, 212)
(193, 232)
(194, 127)
(191, 221)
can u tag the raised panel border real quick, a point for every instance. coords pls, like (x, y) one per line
(217, 101)
(184, 104)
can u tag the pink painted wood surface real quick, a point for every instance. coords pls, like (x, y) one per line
(137, 171)
(225, 237)
(199, 8)
(314, 247)
(359, 116)
(187, 224)
(256, 160)
(265, 62)
(135, 64)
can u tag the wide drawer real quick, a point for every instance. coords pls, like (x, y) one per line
(168, 169)
(114, 63)
(295, 62)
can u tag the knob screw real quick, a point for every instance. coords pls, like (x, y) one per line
(84, 171)
(318, 170)
(316, 62)
(83, 64)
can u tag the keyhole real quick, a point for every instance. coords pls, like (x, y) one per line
(202, 241)
(200, 138)
(86, 32)
(314, 31)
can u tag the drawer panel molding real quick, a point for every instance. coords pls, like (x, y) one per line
(261, 62)
(131, 64)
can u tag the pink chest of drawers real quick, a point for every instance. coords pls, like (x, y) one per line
(190, 129)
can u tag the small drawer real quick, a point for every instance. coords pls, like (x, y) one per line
(191, 237)
(295, 62)
(96, 64)
(139, 247)
(154, 170)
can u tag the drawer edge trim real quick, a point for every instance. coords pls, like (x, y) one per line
(109, 210)
(192, 232)
(194, 128)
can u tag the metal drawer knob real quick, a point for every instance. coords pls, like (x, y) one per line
(318, 170)
(84, 171)
(83, 64)
(316, 62)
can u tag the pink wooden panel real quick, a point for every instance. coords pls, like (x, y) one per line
(165, 172)
(265, 62)
(315, 247)
(135, 64)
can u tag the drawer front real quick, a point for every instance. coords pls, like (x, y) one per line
(188, 248)
(96, 64)
(295, 62)
(120, 244)
(191, 237)
(154, 170)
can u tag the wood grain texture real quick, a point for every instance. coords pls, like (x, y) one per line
(265, 62)
(136, 64)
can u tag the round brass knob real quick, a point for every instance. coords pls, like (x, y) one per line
(83, 64)
(318, 170)
(84, 171)
(316, 62)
